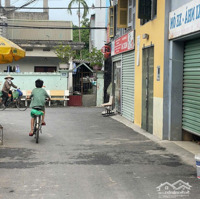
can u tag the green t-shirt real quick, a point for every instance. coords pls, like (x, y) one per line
(38, 97)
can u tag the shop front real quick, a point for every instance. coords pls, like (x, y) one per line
(123, 61)
(184, 36)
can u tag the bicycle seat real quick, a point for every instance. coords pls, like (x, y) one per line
(38, 108)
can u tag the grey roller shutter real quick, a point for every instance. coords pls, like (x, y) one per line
(191, 87)
(128, 85)
(116, 58)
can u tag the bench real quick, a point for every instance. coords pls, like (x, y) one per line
(1, 134)
(108, 107)
(26, 94)
(58, 95)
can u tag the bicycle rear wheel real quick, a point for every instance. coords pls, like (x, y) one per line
(2, 106)
(21, 105)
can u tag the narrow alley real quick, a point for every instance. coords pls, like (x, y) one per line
(82, 155)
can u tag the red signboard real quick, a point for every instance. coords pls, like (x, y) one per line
(123, 44)
(106, 50)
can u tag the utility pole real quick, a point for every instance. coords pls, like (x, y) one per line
(7, 3)
(3, 20)
(45, 5)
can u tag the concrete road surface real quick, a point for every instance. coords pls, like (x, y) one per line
(82, 155)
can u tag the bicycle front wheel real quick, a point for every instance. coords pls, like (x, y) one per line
(2, 106)
(21, 105)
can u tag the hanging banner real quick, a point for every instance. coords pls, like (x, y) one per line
(184, 20)
(123, 44)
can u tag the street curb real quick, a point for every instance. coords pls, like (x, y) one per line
(186, 156)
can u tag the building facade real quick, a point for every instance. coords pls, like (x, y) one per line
(98, 40)
(98, 19)
(27, 29)
(122, 39)
(149, 66)
(181, 99)
(156, 84)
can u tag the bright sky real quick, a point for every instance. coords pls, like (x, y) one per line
(54, 14)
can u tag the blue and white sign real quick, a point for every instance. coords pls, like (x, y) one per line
(184, 20)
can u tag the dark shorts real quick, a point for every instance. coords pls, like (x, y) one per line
(41, 108)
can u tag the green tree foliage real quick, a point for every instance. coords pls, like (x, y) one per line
(96, 57)
(64, 53)
(85, 38)
(85, 11)
(80, 3)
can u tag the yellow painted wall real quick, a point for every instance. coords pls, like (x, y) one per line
(155, 30)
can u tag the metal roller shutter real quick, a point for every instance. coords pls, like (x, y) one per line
(191, 87)
(116, 58)
(128, 85)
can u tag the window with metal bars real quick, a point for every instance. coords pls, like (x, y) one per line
(147, 10)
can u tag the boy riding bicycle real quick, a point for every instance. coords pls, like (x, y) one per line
(38, 99)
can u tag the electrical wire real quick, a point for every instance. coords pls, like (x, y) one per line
(17, 8)
(34, 4)
(15, 2)
(61, 28)
(51, 8)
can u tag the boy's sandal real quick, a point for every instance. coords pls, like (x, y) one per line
(31, 133)
(43, 123)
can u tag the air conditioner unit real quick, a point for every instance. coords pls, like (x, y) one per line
(63, 66)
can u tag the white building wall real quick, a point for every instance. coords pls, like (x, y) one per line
(39, 52)
(92, 24)
(27, 64)
(70, 78)
(40, 34)
(100, 15)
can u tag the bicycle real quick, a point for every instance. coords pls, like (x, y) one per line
(17, 102)
(37, 128)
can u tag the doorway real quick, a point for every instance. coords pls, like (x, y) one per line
(147, 88)
(84, 86)
(117, 86)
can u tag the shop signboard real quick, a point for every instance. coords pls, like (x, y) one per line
(123, 44)
(184, 20)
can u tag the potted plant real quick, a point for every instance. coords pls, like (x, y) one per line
(96, 59)
(64, 54)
